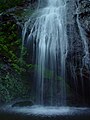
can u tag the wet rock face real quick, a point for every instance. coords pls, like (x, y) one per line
(32, 1)
(76, 50)
(74, 39)
(84, 15)
(84, 19)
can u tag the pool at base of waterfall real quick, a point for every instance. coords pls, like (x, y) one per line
(37, 112)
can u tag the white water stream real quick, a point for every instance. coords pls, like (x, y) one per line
(51, 44)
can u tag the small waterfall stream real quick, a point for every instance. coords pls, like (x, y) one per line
(50, 51)
(86, 57)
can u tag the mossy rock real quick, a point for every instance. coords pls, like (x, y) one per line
(23, 103)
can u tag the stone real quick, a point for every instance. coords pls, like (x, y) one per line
(23, 103)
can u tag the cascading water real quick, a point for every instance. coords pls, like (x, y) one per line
(50, 51)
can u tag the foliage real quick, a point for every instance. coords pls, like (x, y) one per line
(6, 4)
(12, 85)
(10, 45)
(14, 71)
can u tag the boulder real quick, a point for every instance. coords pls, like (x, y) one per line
(23, 103)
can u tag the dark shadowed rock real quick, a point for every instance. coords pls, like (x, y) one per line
(84, 14)
(80, 9)
(23, 103)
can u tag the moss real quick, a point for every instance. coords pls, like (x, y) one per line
(9, 42)
(12, 87)
(6, 4)
(12, 68)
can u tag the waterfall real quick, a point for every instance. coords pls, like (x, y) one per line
(50, 51)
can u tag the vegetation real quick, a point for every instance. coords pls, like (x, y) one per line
(6, 4)
(14, 71)
(12, 84)
(11, 87)
(9, 43)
